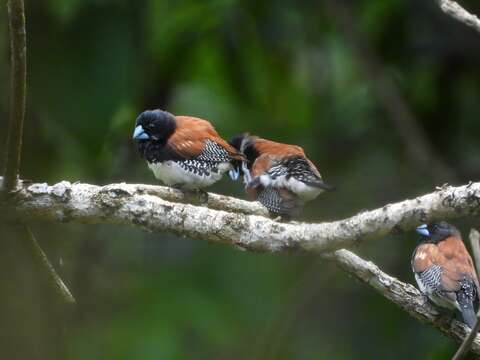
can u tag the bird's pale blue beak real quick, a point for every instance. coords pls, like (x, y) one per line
(423, 230)
(140, 134)
(234, 173)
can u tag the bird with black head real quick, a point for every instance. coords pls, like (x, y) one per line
(279, 176)
(444, 270)
(183, 151)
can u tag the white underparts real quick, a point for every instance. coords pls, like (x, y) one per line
(171, 173)
(302, 190)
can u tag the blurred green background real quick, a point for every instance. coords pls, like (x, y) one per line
(295, 71)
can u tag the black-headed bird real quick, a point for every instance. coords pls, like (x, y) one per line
(182, 151)
(279, 176)
(444, 270)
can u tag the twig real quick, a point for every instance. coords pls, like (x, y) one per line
(18, 48)
(416, 143)
(41, 259)
(467, 343)
(475, 243)
(459, 13)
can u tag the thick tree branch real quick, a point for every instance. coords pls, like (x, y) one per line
(146, 206)
(136, 206)
(404, 295)
(459, 13)
(18, 49)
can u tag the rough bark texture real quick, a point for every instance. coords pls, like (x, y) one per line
(143, 206)
(457, 12)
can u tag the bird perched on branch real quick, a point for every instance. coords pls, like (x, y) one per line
(183, 151)
(279, 176)
(444, 270)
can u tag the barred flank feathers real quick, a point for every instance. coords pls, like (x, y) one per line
(280, 202)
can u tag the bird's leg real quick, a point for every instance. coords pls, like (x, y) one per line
(426, 300)
(202, 195)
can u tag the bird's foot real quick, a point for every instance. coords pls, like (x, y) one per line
(195, 196)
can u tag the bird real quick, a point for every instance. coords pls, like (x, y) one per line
(279, 176)
(444, 270)
(184, 152)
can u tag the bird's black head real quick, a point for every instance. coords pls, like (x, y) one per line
(238, 140)
(244, 143)
(437, 232)
(154, 126)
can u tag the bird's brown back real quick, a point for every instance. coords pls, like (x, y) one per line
(190, 136)
(452, 255)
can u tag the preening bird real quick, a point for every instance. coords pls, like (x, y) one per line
(183, 151)
(444, 270)
(279, 176)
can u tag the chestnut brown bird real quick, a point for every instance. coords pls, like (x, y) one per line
(183, 151)
(279, 176)
(444, 270)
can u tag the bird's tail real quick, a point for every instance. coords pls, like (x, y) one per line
(466, 308)
(319, 183)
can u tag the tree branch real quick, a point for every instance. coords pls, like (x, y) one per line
(18, 49)
(150, 208)
(404, 295)
(18, 55)
(459, 13)
(417, 145)
(136, 206)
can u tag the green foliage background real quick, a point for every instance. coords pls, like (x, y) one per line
(280, 69)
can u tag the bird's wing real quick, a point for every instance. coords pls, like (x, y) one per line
(262, 165)
(424, 256)
(457, 263)
(194, 138)
(299, 168)
(429, 280)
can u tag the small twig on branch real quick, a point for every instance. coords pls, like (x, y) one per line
(467, 343)
(475, 243)
(18, 49)
(417, 145)
(459, 13)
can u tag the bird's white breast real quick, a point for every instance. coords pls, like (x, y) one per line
(171, 173)
(302, 190)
